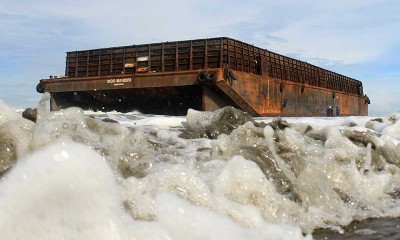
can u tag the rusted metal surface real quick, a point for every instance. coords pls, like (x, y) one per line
(121, 81)
(203, 54)
(239, 100)
(267, 96)
(218, 71)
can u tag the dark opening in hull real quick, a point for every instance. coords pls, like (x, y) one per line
(165, 100)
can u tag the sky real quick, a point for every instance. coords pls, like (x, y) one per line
(357, 38)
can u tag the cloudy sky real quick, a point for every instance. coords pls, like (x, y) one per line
(357, 38)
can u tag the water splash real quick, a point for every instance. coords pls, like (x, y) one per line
(257, 179)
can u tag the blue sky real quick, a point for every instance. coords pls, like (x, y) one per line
(358, 38)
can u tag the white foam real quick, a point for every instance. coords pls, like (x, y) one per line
(186, 221)
(7, 113)
(63, 192)
(199, 120)
(66, 191)
(159, 121)
(194, 189)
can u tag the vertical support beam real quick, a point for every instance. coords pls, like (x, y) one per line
(66, 65)
(176, 57)
(206, 54)
(241, 52)
(191, 56)
(162, 58)
(221, 55)
(111, 60)
(227, 49)
(98, 63)
(136, 61)
(76, 64)
(123, 60)
(148, 59)
(87, 63)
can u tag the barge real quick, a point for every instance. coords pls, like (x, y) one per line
(204, 74)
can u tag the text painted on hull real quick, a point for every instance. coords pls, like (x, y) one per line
(119, 81)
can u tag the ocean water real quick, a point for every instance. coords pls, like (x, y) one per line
(208, 175)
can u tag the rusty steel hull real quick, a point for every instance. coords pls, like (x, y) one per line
(173, 93)
(276, 97)
(203, 74)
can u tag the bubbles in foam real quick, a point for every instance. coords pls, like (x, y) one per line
(246, 180)
(64, 191)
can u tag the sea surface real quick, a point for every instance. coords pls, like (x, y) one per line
(76, 174)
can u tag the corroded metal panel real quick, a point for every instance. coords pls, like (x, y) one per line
(213, 100)
(202, 54)
(121, 82)
(258, 95)
(223, 71)
(274, 97)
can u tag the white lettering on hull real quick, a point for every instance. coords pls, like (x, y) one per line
(119, 81)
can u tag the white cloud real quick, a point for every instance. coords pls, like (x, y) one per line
(340, 32)
(382, 89)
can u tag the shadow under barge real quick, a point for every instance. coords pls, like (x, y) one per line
(205, 74)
